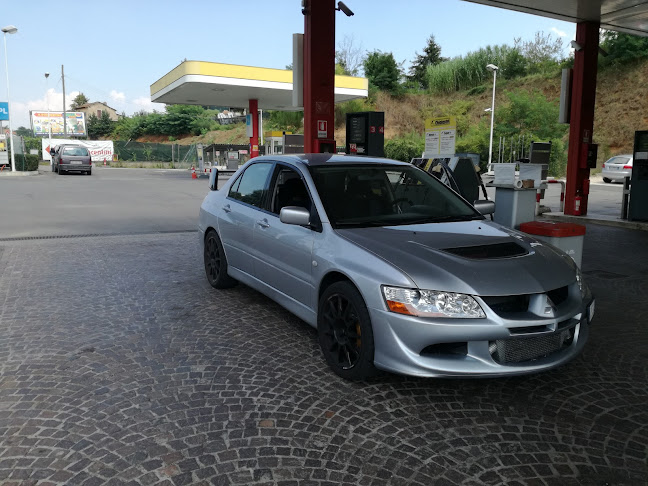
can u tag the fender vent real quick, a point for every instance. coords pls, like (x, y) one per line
(486, 252)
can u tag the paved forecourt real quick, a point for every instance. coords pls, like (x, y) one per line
(120, 365)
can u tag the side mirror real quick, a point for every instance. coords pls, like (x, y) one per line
(52, 151)
(295, 215)
(484, 206)
(213, 179)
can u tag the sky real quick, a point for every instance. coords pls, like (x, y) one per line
(113, 51)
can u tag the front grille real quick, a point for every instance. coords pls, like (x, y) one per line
(507, 303)
(558, 296)
(527, 349)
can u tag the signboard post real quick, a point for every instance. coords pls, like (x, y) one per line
(440, 137)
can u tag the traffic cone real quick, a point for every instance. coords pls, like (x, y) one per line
(193, 173)
(104, 161)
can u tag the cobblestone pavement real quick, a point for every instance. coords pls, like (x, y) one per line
(120, 365)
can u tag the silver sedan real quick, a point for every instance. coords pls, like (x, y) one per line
(395, 270)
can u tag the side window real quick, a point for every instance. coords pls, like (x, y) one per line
(289, 190)
(252, 186)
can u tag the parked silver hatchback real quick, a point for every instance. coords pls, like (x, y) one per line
(617, 168)
(395, 270)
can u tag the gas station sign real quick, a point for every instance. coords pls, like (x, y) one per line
(440, 136)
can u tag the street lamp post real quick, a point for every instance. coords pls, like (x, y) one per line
(492, 68)
(9, 29)
(49, 121)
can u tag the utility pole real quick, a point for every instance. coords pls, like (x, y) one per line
(64, 114)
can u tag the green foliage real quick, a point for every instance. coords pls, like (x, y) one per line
(623, 48)
(431, 57)
(542, 54)
(100, 127)
(383, 72)
(405, 148)
(180, 119)
(291, 121)
(470, 71)
(24, 132)
(27, 162)
(531, 115)
(79, 100)
(527, 115)
(477, 90)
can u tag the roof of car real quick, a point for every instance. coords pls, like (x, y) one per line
(329, 159)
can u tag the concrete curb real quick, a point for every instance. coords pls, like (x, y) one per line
(19, 173)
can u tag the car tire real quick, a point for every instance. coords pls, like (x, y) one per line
(606, 180)
(89, 172)
(216, 262)
(345, 333)
(60, 171)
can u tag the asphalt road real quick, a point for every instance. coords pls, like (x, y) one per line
(120, 365)
(110, 201)
(128, 201)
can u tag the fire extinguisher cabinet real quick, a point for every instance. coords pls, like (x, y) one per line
(566, 236)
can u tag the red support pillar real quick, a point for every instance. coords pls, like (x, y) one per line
(582, 115)
(319, 71)
(254, 139)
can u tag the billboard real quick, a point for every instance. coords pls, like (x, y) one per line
(4, 110)
(99, 149)
(75, 123)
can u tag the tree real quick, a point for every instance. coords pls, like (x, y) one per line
(431, 57)
(622, 48)
(24, 132)
(543, 51)
(348, 57)
(383, 71)
(79, 101)
(100, 126)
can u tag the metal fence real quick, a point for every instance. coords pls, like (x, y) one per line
(180, 155)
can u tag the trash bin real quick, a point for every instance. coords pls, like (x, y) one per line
(566, 236)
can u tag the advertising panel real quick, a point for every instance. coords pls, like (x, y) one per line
(75, 123)
(99, 149)
(4, 110)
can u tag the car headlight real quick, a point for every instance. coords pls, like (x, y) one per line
(431, 303)
(580, 280)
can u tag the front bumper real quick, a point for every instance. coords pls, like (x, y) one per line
(489, 347)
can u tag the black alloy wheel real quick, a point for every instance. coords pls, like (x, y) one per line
(606, 180)
(345, 333)
(216, 262)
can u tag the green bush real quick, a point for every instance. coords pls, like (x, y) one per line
(405, 148)
(27, 162)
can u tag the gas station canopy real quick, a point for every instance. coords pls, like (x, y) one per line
(214, 84)
(629, 16)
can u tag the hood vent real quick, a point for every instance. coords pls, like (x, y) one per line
(487, 252)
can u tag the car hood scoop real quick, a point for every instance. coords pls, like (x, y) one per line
(484, 252)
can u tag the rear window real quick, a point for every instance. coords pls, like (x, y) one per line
(76, 151)
(619, 160)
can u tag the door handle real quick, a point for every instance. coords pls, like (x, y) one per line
(227, 208)
(263, 223)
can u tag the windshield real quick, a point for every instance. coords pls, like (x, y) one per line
(384, 195)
